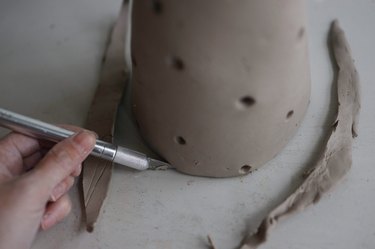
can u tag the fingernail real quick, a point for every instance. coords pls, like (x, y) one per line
(58, 191)
(47, 221)
(85, 140)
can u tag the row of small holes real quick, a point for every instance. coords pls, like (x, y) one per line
(246, 101)
(180, 140)
(243, 170)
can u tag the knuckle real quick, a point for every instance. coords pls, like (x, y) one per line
(73, 151)
(65, 152)
(56, 154)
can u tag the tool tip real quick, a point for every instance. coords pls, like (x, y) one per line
(157, 164)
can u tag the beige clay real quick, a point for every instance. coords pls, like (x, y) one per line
(102, 116)
(336, 160)
(219, 87)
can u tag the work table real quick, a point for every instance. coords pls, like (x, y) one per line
(50, 55)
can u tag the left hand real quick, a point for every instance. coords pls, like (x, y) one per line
(34, 185)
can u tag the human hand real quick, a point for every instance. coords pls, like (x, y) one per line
(33, 186)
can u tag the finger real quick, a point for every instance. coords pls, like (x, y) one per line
(76, 129)
(13, 148)
(62, 159)
(56, 211)
(62, 188)
(49, 144)
(78, 170)
(30, 161)
(19, 144)
(46, 145)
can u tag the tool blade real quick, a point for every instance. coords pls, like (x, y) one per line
(158, 165)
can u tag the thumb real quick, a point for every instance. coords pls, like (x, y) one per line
(62, 160)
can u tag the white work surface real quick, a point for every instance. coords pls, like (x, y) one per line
(50, 54)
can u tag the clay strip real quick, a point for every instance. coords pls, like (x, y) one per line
(336, 159)
(102, 116)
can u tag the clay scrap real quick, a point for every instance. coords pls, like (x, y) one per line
(102, 116)
(336, 159)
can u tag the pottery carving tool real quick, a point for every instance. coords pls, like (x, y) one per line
(41, 130)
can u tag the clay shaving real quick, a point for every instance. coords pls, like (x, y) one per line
(97, 173)
(210, 242)
(336, 159)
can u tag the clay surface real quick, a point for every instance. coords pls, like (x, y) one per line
(101, 118)
(219, 87)
(336, 160)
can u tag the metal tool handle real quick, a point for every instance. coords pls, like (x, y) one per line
(41, 130)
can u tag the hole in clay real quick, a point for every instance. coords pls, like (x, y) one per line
(90, 228)
(180, 140)
(177, 63)
(301, 33)
(157, 6)
(290, 114)
(247, 101)
(245, 169)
